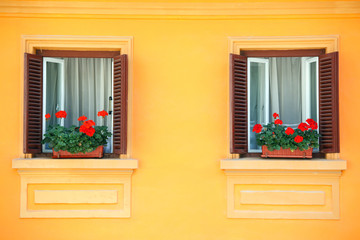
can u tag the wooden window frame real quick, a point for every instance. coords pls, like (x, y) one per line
(77, 54)
(283, 53)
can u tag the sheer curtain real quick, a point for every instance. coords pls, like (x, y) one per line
(285, 89)
(88, 86)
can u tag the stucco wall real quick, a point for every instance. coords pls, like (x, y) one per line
(179, 129)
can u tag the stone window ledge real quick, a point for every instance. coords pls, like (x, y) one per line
(282, 164)
(47, 163)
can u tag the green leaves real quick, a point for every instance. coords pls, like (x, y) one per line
(73, 141)
(274, 137)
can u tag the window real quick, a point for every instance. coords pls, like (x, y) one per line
(82, 87)
(81, 83)
(298, 84)
(285, 85)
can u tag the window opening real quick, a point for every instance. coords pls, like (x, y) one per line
(80, 86)
(285, 85)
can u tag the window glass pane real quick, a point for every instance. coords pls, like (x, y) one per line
(257, 98)
(53, 83)
(52, 98)
(313, 91)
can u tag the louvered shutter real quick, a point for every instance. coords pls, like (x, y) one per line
(329, 103)
(238, 102)
(120, 104)
(32, 103)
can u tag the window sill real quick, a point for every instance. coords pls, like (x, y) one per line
(75, 188)
(47, 163)
(282, 164)
(283, 188)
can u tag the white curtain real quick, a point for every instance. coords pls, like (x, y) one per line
(88, 86)
(285, 89)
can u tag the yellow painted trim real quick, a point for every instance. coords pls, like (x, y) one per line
(75, 196)
(278, 197)
(171, 10)
(29, 44)
(82, 176)
(329, 42)
(283, 189)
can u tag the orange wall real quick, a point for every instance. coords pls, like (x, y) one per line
(179, 130)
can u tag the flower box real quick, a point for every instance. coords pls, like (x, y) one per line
(278, 141)
(97, 153)
(76, 141)
(286, 153)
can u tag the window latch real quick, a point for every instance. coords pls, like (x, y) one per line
(110, 105)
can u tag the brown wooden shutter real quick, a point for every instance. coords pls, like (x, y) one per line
(120, 104)
(329, 103)
(33, 103)
(238, 102)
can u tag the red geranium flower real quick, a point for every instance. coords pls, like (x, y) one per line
(298, 139)
(47, 116)
(82, 118)
(275, 115)
(313, 125)
(289, 131)
(102, 113)
(61, 114)
(90, 131)
(303, 126)
(278, 121)
(257, 128)
(89, 123)
(87, 130)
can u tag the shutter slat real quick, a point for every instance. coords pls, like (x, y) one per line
(238, 91)
(32, 103)
(120, 105)
(329, 103)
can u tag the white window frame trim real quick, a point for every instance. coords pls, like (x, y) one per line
(305, 62)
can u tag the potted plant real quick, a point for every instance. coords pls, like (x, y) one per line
(84, 141)
(285, 142)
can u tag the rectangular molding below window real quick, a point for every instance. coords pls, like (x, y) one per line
(283, 189)
(75, 188)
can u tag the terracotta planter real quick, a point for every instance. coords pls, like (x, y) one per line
(286, 153)
(97, 153)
